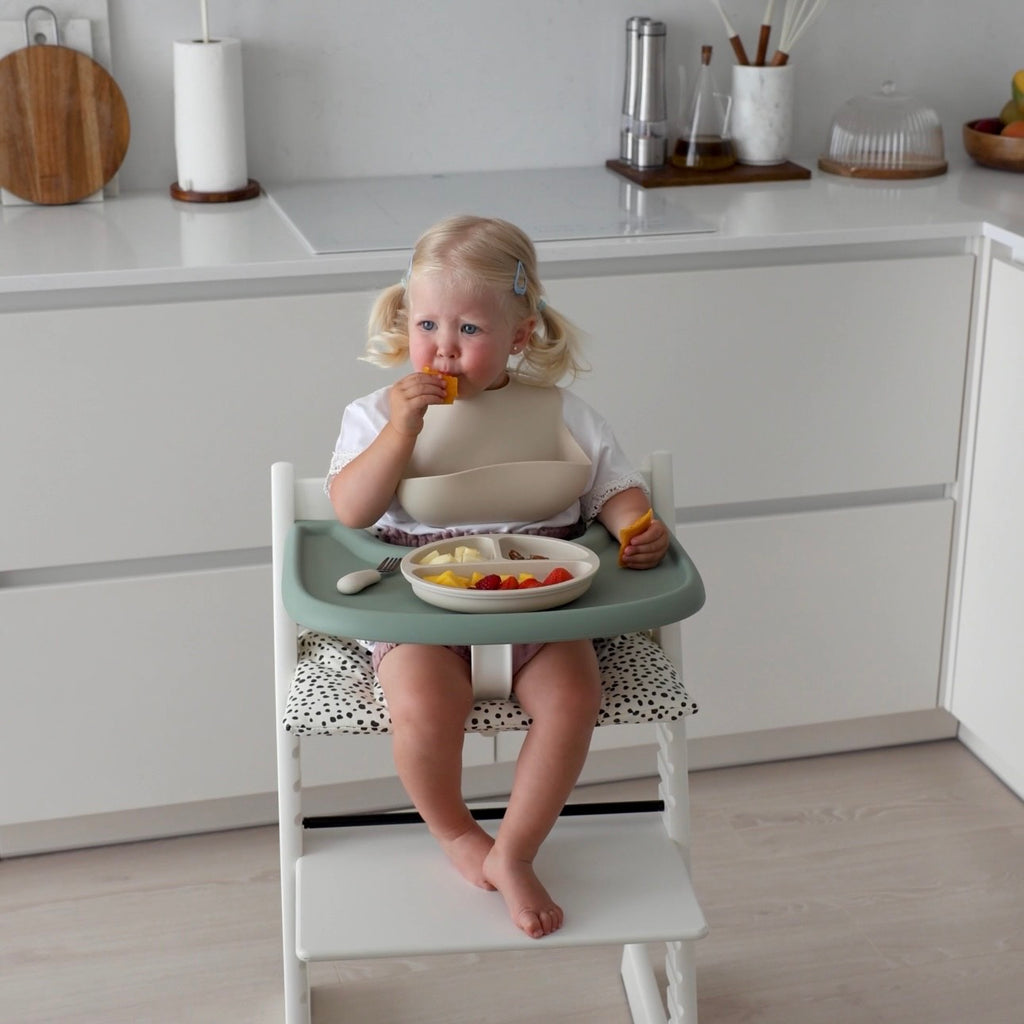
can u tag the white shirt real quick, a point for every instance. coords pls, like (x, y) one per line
(610, 470)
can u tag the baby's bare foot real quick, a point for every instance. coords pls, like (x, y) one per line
(532, 909)
(467, 851)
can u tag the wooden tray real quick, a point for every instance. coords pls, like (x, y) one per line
(738, 174)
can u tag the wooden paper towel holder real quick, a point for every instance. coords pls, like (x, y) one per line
(250, 190)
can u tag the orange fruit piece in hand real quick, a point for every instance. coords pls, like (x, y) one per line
(451, 384)
(627, 533)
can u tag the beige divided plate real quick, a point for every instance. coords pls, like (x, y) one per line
(494, 550)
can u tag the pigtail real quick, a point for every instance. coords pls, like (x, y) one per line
(388, 329)
(554, 350)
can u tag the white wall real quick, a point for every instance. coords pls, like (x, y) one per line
(343, 88)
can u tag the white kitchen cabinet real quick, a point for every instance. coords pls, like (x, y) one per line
(136, 506)
(781, 382)
(149, 430)
(988, 687)
(137, 692)
(817, 617)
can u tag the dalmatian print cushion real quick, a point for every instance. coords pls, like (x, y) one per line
(334, 689)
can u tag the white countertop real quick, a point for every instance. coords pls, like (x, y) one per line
(149, 239)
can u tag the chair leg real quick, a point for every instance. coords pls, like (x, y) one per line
(289, 765)
(674, 783)
(296, 989)
(296, 972)
(642, 993)
(680, 959)
(681, 970)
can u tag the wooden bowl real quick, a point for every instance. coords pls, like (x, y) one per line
(998, 151)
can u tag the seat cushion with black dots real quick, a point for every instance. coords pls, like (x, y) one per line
(334, 690)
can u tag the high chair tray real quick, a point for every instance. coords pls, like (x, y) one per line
(618, 601)
(619, 878)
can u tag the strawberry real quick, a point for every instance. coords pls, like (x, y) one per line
(490, 582)
(558, 575)
(530, 581)
(509, 583)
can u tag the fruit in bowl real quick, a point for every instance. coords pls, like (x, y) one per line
(989, 125)
(999, 141)
(1010, 114)
(1003, 152)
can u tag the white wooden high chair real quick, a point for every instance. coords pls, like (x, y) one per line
(384, 889)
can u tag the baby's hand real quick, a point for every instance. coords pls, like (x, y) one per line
(646, 549)
(409, 399)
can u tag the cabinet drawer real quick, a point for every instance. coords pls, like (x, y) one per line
(817, 617)
(150, 430)
(136, 693)
(785, 381)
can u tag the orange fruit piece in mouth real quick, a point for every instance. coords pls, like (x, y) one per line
(451, 384)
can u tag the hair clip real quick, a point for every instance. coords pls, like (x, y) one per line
(519, 281)
(541, 305)
(408, 273)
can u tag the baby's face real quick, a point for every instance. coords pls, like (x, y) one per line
(462, 330)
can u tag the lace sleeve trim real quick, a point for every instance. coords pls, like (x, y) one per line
(591, 504)
(339, 460)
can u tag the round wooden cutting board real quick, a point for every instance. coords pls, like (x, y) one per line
(64, 125)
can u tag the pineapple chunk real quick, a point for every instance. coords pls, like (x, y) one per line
(448, 579)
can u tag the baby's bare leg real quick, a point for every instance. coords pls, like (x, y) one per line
(429, 695)
(560, 688)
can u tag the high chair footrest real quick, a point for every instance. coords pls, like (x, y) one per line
(388, 891)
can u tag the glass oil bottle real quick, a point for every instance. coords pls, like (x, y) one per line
(705, 143)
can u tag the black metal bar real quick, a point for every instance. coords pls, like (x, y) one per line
(479, 813)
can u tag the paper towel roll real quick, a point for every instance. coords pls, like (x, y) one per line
(209, 115)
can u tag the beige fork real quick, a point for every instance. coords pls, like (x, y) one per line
(353, 582)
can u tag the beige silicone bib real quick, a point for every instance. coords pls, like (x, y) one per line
(503, 456)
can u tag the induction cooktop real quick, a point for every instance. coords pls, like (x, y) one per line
(374, 214)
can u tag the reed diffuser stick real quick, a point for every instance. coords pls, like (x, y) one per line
(204, 15)
(734, 39)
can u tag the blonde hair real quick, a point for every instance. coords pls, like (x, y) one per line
(489, 253)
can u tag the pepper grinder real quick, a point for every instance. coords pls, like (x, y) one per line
(631, 90)
(651, 125)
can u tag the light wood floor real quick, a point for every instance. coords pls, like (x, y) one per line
(870, 888)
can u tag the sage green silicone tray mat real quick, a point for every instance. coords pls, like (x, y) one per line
(619, 600)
